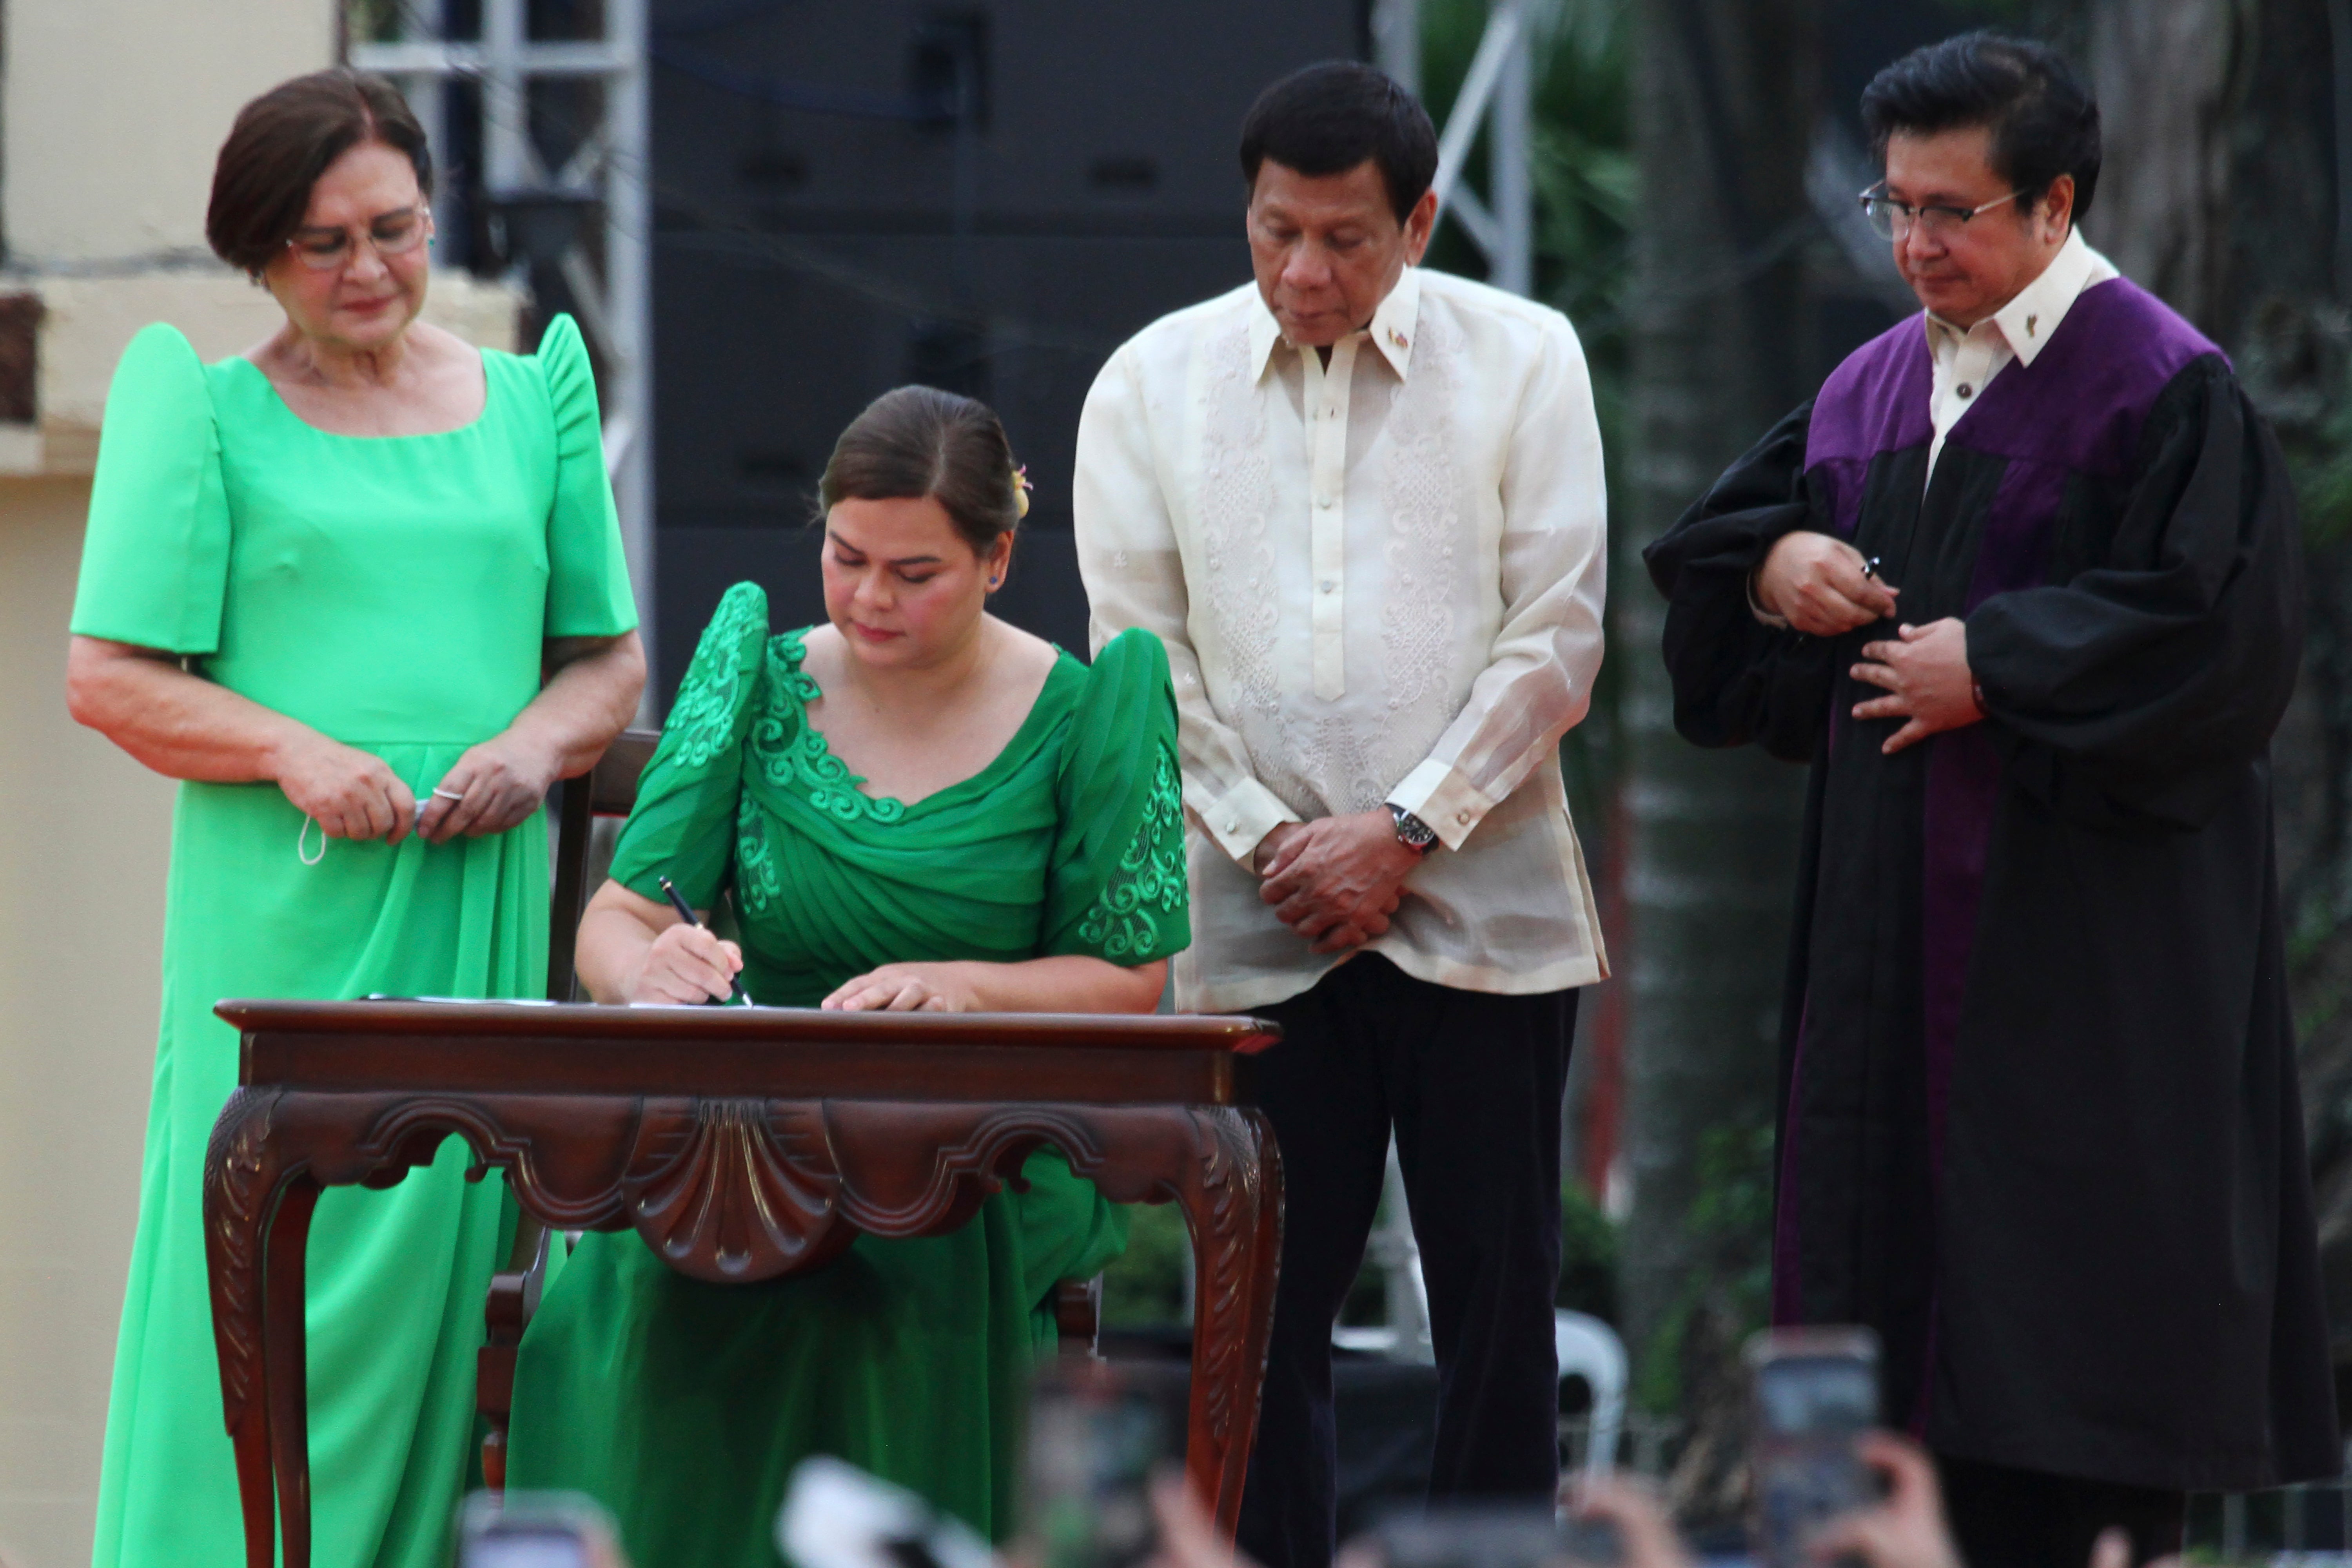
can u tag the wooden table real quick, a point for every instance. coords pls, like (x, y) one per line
(742, 1145)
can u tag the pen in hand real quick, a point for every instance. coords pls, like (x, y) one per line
(686, 913)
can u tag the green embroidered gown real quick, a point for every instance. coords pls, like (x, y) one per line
(394, 593)
(684, 1406)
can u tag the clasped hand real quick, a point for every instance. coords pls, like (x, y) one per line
(1336, 880)
(1821, 586)
(354, 794)
(1927, 677)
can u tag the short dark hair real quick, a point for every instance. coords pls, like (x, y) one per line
(1329, 118)
(917, 442)
(2044, 121)
(283, 141)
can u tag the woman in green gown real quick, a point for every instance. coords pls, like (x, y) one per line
(913, 806)
(319, 583)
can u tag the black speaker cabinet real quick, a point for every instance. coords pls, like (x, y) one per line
(988, 197)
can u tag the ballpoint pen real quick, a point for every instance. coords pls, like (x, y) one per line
(686, 913)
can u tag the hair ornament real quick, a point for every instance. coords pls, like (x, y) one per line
(1021, 489)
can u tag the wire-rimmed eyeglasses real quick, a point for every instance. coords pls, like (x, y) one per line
(393, 234)
(1892, 220)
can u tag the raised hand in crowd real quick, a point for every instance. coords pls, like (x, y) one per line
(1336, 880)
(1188, 1536)
(1644, 1532)
(1906, 1529)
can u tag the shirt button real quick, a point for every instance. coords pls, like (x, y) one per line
(1463, 818)
(1232, 825)
(1965, 389)
(1327, 585)
(1323, 502)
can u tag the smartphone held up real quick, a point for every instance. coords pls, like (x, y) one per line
(1813, 1392)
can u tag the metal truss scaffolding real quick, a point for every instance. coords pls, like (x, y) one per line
(587, 221)
(1498, 91)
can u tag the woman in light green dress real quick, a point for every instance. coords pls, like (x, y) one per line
(913, 806)
(318, 585)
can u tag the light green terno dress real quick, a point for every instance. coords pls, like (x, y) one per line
(684, 1406)
(394, 593)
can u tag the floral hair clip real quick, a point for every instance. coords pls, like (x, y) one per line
(1021, 489)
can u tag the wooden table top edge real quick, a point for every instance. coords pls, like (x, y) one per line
(1234, 1034)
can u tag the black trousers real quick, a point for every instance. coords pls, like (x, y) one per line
(1471, 1085)
(2009, 1518)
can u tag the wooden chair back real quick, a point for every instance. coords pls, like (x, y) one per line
(608, 789)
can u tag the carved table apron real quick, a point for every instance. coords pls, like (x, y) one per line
(742, 1145)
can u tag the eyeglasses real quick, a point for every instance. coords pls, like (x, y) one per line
(1893, 220)
(330, 250)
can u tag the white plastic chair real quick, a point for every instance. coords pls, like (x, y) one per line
(1591, 1349)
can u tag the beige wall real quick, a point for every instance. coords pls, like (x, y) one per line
(115, 108)
(84, 835)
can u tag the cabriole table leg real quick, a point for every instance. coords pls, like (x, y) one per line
(1231, 1199)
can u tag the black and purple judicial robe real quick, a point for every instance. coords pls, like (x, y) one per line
(2039, 1122)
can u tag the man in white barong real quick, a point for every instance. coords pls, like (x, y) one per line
(1363, 506)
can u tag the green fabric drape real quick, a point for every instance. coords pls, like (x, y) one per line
(683, 1405)
(394, 593)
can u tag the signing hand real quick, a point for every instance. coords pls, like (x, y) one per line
(907, 987)
(1928, 673)
(1336, 880)
(685, 964)
(498, 783)
(1816, 584)
(350, 793)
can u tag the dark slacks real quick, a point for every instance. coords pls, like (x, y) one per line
(2009, 1518)
(1471, 1083)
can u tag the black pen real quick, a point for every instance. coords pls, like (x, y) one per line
(686, 913)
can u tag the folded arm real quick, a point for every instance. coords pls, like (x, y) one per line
(186, 727)
(1134, 576)
(634, 949)
(1537, 682)
(1738, 679)
(593, 687)
(2152, 670)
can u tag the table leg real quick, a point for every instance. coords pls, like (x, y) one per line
(1231, 1199)
(285, 1334)
(242, 1175)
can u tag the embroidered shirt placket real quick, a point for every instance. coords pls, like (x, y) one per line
(1327, 435)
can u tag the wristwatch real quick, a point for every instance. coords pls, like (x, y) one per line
(1412, 832)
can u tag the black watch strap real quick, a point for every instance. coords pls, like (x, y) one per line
(1412, 832)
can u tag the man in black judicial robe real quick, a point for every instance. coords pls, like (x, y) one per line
(2022, 585)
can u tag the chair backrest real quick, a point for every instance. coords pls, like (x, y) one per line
(607, 789)
(1589, 1349)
